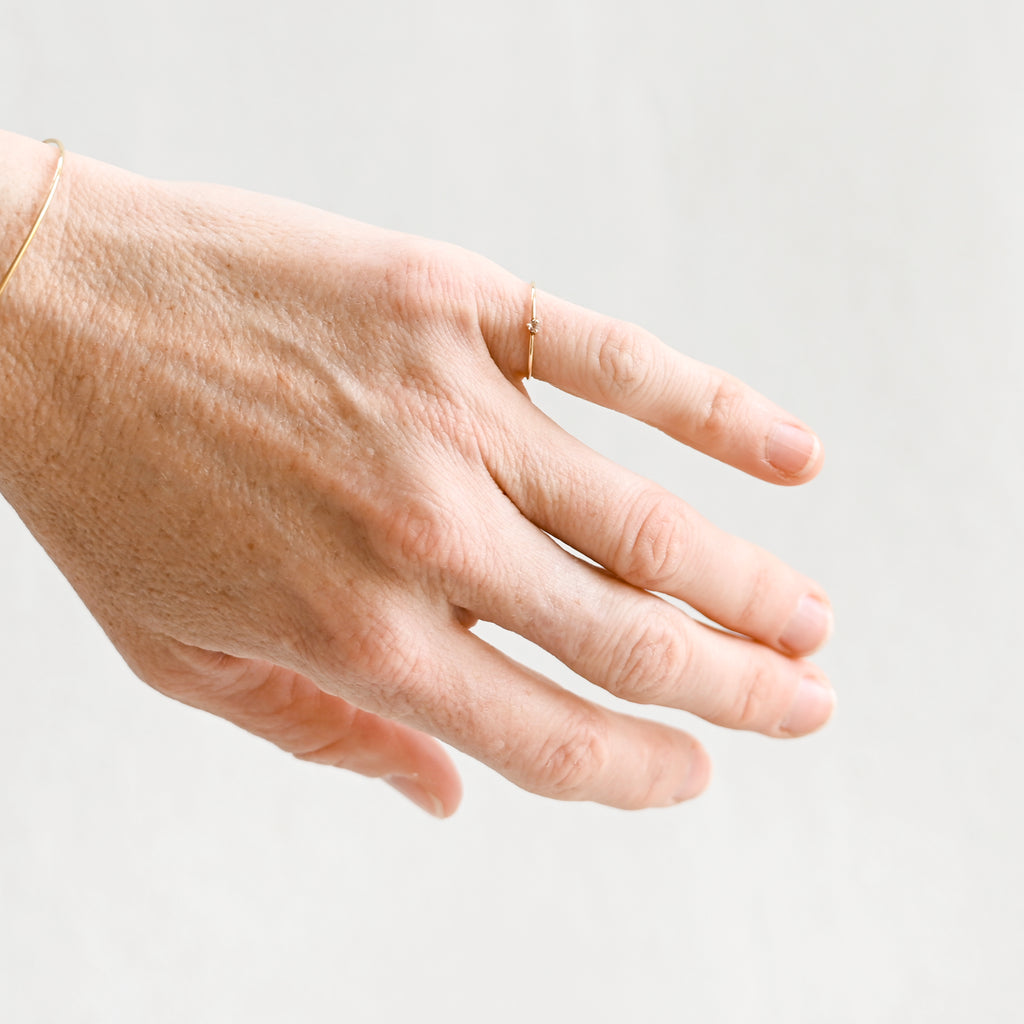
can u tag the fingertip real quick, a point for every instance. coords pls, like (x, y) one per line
(809, 627)
(429, 779)
(697, 779)
(452, 799)
(794, 453)
(426, 797)
(811, 708)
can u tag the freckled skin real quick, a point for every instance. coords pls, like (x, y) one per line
(288, 461)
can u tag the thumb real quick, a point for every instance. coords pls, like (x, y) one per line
(292, 712)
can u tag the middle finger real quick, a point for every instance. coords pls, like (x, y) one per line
(654, 540)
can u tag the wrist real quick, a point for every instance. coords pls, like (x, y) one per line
(47, 300)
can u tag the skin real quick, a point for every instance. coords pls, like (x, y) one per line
(288, 461)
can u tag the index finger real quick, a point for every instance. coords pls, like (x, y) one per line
(627, 369)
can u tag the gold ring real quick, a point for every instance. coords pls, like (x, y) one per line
(533, 327)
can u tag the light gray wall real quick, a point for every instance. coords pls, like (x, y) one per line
(823, 197)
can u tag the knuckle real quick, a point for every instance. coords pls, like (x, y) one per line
(756, 599)
(415, 278)
(373, 658)
(573, 758)
(649, 666)
(427, 284)
(655, 541)
(621, 366)
(757, 703)
(423, 532)
(721, 408)
(383, 652)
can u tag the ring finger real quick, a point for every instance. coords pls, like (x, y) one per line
(625, 368)
(636, 645)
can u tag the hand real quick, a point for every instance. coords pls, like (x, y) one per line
(288, 460)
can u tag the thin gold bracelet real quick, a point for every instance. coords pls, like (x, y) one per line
(5, 280)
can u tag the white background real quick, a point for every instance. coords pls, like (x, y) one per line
(823, 197)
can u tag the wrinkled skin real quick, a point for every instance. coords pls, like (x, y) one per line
(287, 460)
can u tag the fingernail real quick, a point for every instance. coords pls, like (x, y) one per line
(811, 708)
(790, 448)
(412, 790)
(809, 627)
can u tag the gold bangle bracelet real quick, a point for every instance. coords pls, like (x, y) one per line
(5, 280)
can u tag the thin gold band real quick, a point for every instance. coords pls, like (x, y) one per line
(533, 327)
(5, 280)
